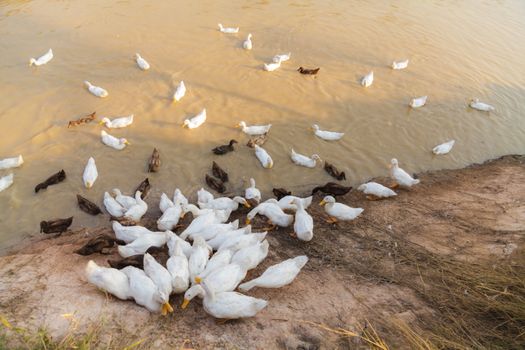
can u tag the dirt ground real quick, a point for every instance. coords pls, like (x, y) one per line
(472, 214)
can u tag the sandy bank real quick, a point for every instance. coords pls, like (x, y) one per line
(357, 271)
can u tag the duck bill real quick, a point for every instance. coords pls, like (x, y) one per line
(248, 221)
(198, 280)
(247, 205)
(127, 143)
(185, 303)
(101, 123)
(322, 202)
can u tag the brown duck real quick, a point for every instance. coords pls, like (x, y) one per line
(219, 173)
(87, 119)
(52, 180)
(259, 140)
(88, 206)
(217, 185)
(56, 225)
(334, 172)
(160, 254)
(280, 193)
(332, 188)
(124, 221)
(224, 148)
(308, 71)
(144, 188)
(154, 162)
(99, 244)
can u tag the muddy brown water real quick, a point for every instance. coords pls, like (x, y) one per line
(457, 51)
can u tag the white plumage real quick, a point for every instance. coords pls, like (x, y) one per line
(13, 162)
(399, 65)
(368, 79)
(45, 58)
(117, 123)
(480, 106)
(112, 141)
(180, 91)
(196, 121)
(96, 90)
(444, 148)
(247, 44)
(228, 30)
(6, 181)
(277, 276)
(141, 62)
(303, 160)
(327, 135)
(90, 173)
(264, 158)
(418, 102)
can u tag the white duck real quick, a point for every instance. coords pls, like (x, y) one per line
(368, 79)
(217, 261)
(13, 162)
(172, 243)
(270, 67)
(129, 233)
(247, 44)
(277, 276)
(228, 30)
(96, 90)
(303, 160)
(480, 106)
(264, 158)
(399, 65)
(165, 202)
(201, 222)
(218, 240)
(443, 148)
(144, 291)
(204, 196)
(254, 129)
(112, 141)
(242, 241)
(178, 196)
(286, 203)
(282, 57)
(199, 257)
(45, 58)
(224, 279)
(178, 268)
(251, 256)
(137, 211)
(170, 218)
(225, 203)
(112, 206)
(111, 280)
(418, 102)
(225, 305)
(401, 177)
(180, 91)
(252, 192)
(117, 123)
(376, 190)
(6, 181)
(339, 211)
(141, 62)
(162, 279)
(304, 223)
(327, 135)
(90, 173)
(142, 243)
(209, 232)
(196, 121)
(275, 215)
(126, 201)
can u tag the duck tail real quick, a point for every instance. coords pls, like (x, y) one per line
(244, 287)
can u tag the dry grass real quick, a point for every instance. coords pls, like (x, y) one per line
(14, 337)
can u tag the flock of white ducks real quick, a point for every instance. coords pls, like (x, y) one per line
(221, 252)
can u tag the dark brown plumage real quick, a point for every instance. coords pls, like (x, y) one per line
(88, 206)
(154, 162)
(332, 188)
(144, 188)
(88, 119)
(219, 173)
(308, 71)
(334, 172)
(98, 244)
(56, 225)
(217, 185)
(224, 148)
(280, 193)
(258, 140)
(160, 254)
(52, 180)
